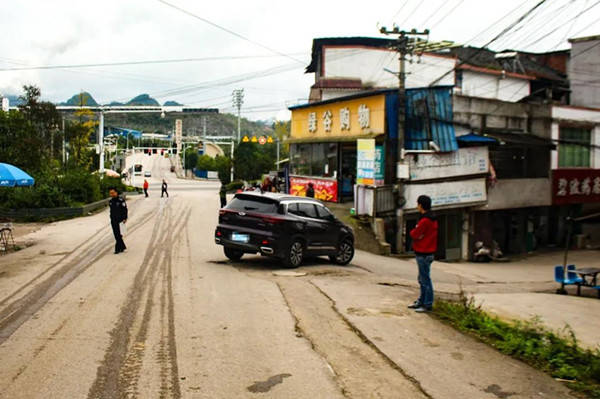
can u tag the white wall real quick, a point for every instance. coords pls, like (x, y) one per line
(484, 85)
(583, 73)
(368, 64)
(519, 193)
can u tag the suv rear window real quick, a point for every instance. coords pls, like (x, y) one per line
(260, 205)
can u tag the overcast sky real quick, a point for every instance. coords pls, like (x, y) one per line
(57, 32)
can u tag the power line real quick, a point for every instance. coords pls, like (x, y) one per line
(448, 13)
(229, 31)
(424, 23)
(499, 35)
(146, 62)
(399, 10)
(410, 14)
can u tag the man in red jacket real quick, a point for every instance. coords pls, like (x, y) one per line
(424, 237)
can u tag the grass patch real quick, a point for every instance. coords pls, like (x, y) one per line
(556, 353)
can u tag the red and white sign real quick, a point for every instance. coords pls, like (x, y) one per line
(575, 186)
(262, 140)
(325, 189)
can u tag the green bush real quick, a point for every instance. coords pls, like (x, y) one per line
(234, 185)
(112, 182)
(205, 162)
(81, 186)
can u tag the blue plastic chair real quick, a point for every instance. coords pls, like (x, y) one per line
(572, 277)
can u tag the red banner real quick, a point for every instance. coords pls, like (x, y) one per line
(325, 190)
(575, 186)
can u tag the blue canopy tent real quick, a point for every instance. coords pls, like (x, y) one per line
(11, 176)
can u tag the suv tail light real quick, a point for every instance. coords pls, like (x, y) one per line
(272, 220)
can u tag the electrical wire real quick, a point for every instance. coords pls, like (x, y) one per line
(570, 29)
(229, 31)
(419, 3)
(499, 35)
(147, 62)
(448, 13)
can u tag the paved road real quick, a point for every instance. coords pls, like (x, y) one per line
(172, 318)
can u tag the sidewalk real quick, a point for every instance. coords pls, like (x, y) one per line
(518, 290)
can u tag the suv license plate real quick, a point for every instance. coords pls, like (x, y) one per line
(240, 237)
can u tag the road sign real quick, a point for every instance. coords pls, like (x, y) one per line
(262, 140)
(254, 139)
(270, 140)
(245, 139)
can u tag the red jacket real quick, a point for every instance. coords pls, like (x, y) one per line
(145, 184)
(424, 235)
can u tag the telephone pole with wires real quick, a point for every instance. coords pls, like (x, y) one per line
(238, 101)
(408, 43)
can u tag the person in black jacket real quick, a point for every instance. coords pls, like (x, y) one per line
(164, 189)
(310, 191)
(118, 214)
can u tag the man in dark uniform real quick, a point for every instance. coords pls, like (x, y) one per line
(118, 214)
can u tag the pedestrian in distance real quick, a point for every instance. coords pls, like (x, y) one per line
(310, 191)
(118, 217)
(424, 236)
(146, 187)
(223, 195)
(163, 189)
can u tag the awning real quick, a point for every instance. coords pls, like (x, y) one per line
(474, 138)
(333, 139)
(521, 139)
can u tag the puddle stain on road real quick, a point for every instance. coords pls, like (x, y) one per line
(497, 390)
(265, 386)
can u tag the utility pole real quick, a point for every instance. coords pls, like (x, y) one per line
(238, 101)
(64, 141)
(408, 43)
(101, 142)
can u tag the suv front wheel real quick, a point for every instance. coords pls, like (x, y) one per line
(345, 253)
(294, 255)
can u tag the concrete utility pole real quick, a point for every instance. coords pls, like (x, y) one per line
(238, 101)
(101, 142)
(408, 43)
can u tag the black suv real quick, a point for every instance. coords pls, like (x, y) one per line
(287, 227)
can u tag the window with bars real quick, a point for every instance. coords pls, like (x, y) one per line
(574, 147)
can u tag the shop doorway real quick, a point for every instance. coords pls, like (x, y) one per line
(449, 235)
(348, 171)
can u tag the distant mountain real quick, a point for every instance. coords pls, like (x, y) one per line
(143, 99)
(172, 104)
(115, 103)
(83, 98)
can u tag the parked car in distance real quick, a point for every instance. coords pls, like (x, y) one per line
(147, 174)
(283, 226)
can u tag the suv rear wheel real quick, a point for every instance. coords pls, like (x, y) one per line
(294, 255)
(233, 254)
(345, 253)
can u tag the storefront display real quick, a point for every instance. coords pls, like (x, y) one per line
(325, 189)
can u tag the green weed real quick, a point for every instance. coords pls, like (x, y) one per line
(556, 353)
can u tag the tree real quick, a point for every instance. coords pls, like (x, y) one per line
(223, 166)
(205, 162)
(252, 160)
(191, 158)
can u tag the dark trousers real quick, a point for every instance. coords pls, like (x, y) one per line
(163, 192)
(223, 202)
(425, 283)
(146, 192)
(119, 244)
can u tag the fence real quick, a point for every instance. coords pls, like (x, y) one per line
(374, 201)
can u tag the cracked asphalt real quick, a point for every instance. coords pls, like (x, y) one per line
(172, 318)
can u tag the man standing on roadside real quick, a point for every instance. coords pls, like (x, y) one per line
(164, 189)
(424, 237)
(146, 187)
(118, 215)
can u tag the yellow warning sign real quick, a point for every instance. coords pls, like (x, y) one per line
(245, 139)
(270, 140)
(254, 139)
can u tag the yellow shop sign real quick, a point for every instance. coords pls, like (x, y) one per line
(355, 117)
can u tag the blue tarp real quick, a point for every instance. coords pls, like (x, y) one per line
(476, 138)
(11, 176)
(429, 117)
(121, 131)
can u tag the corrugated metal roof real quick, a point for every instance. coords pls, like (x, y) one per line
(429, 118)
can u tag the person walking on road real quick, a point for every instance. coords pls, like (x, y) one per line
(424, 237)
(146, 187)
(118, 217)
(164, 189)
(223, 195)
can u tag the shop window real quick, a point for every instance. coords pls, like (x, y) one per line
(315, 159)
(574, 148)
(515, 162)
